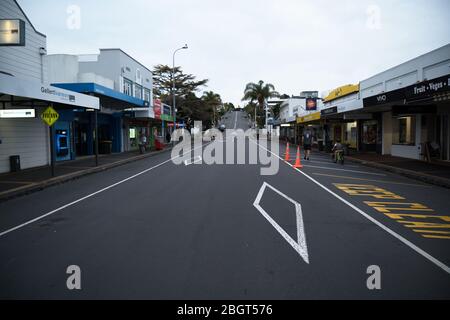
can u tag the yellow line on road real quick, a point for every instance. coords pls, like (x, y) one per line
(362, 179)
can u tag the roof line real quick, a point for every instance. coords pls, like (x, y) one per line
(28, 19)
(110, 49)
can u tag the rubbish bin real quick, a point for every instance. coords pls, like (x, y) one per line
(14, 162)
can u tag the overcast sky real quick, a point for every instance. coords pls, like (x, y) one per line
(296, 45)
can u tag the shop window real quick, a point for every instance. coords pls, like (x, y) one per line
(127, 87)
(370, 132)
(138, 91)
(147, 95)
(404, 130)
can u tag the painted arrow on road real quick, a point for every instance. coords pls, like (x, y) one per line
(299, 245)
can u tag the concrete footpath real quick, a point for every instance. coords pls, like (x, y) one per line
(433, 173)
(26, 181)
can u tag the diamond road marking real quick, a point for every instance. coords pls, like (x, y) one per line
(299, 245)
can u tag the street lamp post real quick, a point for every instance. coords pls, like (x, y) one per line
(173, 88)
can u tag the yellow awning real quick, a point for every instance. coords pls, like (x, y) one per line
(309, 118)
(341, 92)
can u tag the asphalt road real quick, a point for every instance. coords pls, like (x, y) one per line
(156, 230)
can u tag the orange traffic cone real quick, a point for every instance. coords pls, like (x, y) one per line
(287, 155)
(298, 164)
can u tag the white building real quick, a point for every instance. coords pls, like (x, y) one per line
(410, 107)
(24, 91)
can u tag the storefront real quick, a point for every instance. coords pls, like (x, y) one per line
(113, 120)
(314, 122)
(340, 123)
(415, 120)
(24, 134)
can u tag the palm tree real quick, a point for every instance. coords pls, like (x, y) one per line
(212, 100)
(259, 92)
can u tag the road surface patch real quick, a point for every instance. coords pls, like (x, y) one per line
(402, 239)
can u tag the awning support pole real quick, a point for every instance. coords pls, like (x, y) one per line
(96, 138)
(52, 148)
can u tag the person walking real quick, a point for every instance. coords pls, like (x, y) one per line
(307, 142)
(142, 142)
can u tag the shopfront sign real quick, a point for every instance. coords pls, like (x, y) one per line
(341, 92)
(166, 117)
(421, 91)
(311, 104)
(427, 89)
(50, 116)
(384, 98)
(329, 111)
(17, 113)
(13, 86)
(157, 108)
(308, 118)
(12, 32)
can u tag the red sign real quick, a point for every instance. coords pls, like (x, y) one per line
(157, 108)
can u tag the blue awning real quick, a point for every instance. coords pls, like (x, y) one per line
(108, 97)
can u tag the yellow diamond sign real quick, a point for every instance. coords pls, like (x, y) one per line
(49, 116)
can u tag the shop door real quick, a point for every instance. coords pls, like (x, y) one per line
(80, 138)
(369, 136)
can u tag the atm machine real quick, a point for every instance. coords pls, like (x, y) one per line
(62, 144)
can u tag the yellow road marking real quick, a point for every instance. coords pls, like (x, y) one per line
(372, 180)
(435, 237)
(431, 231)
(381, 206)
(389, 209)
(367, 190)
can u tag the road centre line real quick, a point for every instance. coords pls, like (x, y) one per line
(93, 194)
(372, 180)
(367, 216)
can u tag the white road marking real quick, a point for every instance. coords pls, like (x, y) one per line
(91, 195)
(346, 170)
(235, 120)
(367, 216)
(299, 245)
(188, 162)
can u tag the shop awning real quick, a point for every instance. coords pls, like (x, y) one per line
(12, 86)
(109, 98)
(309, 118)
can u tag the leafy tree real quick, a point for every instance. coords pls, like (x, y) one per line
(212, 101)
(189, 106)
(184, 83)
(259, 92)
